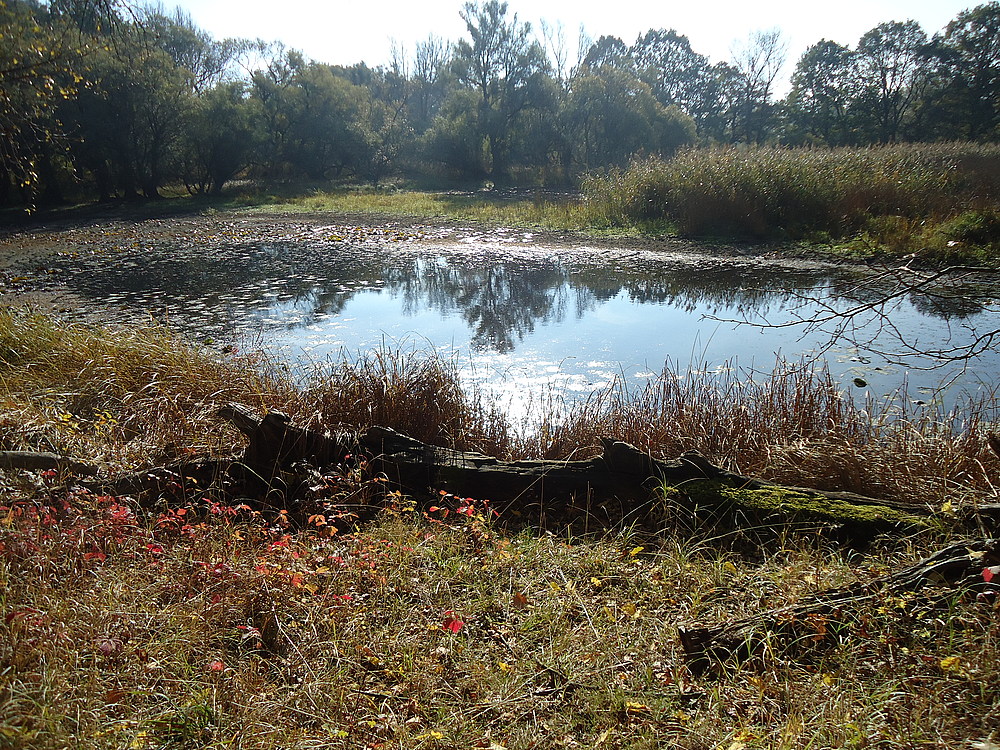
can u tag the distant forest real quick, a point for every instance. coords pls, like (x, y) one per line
(105, 101)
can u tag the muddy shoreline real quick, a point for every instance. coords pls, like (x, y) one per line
(34, 240)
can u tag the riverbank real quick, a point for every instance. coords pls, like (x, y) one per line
(435, 625)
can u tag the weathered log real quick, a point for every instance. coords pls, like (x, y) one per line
(35, 461)
(689, 483)
(805, 625)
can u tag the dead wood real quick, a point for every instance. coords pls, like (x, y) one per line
(689, 484)
(35, 461)
(800, 628)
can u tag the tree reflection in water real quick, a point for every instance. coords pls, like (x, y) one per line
(502, 294)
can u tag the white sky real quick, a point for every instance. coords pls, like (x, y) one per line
(345, 32)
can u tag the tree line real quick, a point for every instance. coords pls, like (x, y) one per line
(115, 102)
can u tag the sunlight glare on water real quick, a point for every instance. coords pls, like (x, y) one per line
(524, 321)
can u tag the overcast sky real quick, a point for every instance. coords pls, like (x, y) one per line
(345, 32)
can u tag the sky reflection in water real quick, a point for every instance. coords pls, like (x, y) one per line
(519, 317)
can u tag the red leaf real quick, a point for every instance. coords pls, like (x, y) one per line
(451, 622)
(988, 574)
(216, 665)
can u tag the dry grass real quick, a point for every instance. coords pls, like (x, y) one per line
(938, 200)
(794, 426)
(422, 632)
(223, 628)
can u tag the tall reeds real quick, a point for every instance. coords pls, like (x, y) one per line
(764, 192)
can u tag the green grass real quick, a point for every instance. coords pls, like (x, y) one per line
(208, 626)
(521, 208)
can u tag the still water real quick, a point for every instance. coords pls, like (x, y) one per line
(524, 318)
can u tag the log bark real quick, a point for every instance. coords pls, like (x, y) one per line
(789, 631)
(689, 483)
(35, 461)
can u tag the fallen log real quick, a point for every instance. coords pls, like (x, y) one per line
(803, 627)
(36, 461)
(689, 484)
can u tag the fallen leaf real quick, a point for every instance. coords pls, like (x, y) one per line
(951, 664)
(632, 708)
(452, 623)
(520, 601)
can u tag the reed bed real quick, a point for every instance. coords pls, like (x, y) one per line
(931, 198)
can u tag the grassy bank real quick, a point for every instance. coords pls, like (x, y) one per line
(940, 200)
(220, 627)
(514, 208)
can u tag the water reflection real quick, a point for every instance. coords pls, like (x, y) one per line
(531, 305)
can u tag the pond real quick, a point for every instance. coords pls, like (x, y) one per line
(522, 315)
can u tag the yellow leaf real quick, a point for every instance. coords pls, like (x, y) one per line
(635, 551)
(602, 737)
(951, 664)
(631, 707)
(729, 567)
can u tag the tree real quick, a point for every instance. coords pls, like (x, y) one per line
(41, 66)
(612, 115)
(504, 66)
(131, 119)
(967, 95)
(608, 51)
(206, 60)
(823, 86)
(675, 73)
(891, 61)
(756, 65)
(213, 154)
(429, 82)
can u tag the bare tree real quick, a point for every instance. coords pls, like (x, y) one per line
(554, 40)
(757, 63)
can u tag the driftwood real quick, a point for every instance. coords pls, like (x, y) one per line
(34, 461)
(804, 626)
(696, 486)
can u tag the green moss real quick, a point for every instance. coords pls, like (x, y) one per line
(795, 506)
